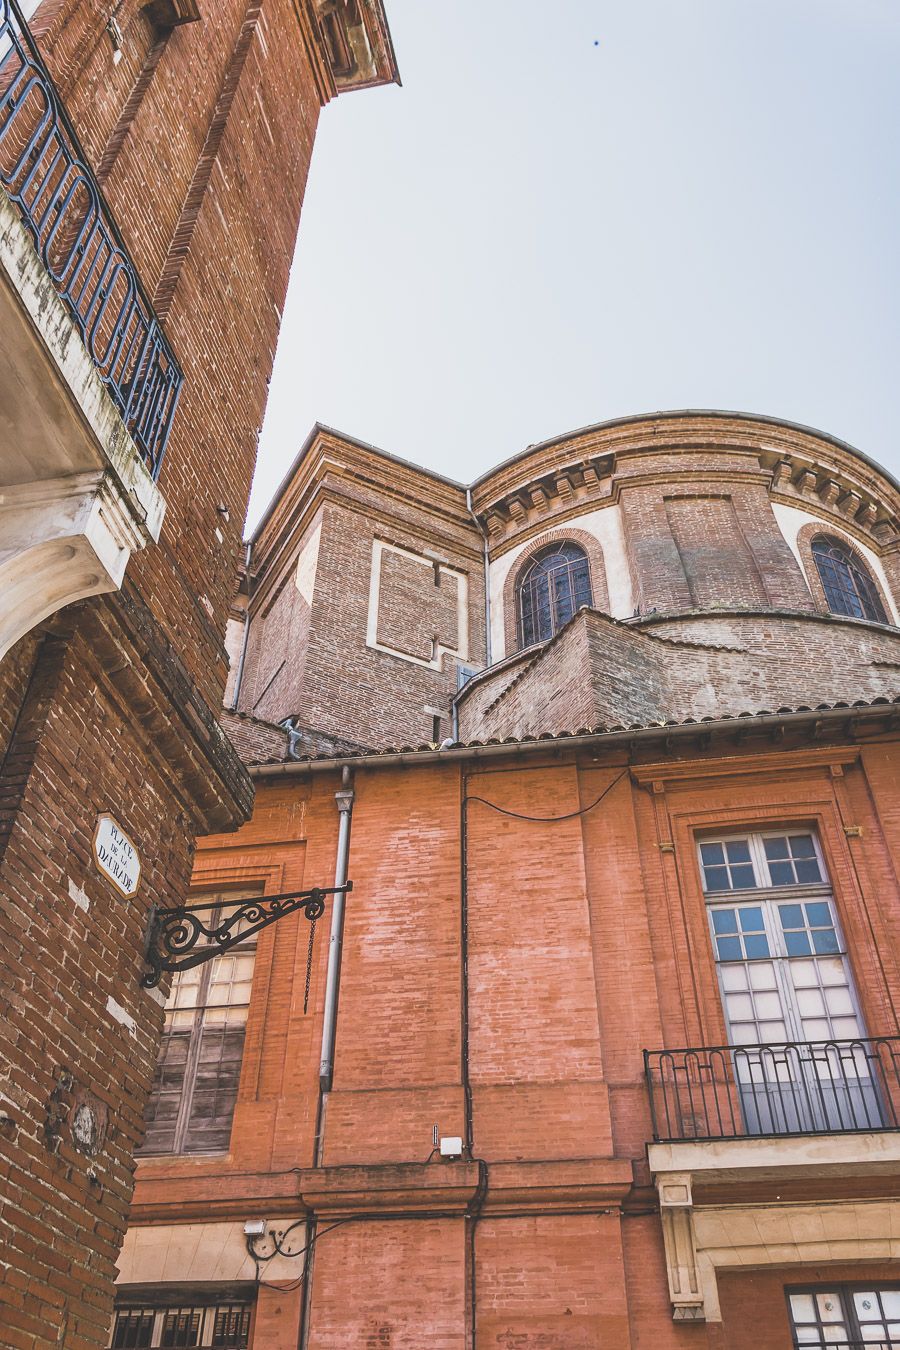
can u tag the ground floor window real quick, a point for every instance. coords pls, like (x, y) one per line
(203, 1323)
(846, 1317)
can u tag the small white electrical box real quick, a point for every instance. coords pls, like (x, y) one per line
(451, 1146)
(254, 1227)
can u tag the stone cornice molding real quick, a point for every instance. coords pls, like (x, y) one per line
(730, 766)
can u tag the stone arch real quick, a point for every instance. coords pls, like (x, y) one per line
(806, 534)
(596, 568)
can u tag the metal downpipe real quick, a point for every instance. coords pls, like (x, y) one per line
(344, 799)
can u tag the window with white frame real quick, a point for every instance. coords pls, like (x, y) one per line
(205, 1323)
(785, 983)
(845, 1317)
(198, 1068)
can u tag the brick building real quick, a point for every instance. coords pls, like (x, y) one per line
(153, 160)
(607, 745)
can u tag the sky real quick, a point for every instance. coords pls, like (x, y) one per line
(590, 208)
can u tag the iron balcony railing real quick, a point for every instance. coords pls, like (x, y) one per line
(45, 172)
(804, 1087)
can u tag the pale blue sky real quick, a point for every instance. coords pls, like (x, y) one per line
(578, 210)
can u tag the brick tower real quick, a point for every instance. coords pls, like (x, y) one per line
(153, 158)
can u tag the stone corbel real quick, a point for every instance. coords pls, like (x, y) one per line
(677, 1215)
(62, 539)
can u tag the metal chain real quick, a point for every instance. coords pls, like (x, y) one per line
(309, 957)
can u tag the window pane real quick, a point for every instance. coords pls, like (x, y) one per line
(181, 1328)
(776, 848)
(797, 944)
(712, 853)
(756, 946)
(729, 949)
(165, 1095)
(724, 921)
(807, 871)
(825, 941)
(791, 916)
(829, 1307)
(751, 919)
(717, 878)
(738, 850)
(133, 1329)
(215, 1090)
(742, 877)
(231, 1327)
(762, 976)
(818, 915)
(782, 873)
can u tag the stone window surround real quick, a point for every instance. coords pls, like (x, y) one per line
(700, 1239)
(596, 570)
(805, 535)
(801, 804)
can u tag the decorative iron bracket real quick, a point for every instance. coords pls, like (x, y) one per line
(178, 939)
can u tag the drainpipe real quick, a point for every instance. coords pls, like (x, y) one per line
(487, 580)
(344, 799)
(240, 670)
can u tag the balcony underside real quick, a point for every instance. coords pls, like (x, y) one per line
(794, 1200)
(75, 496)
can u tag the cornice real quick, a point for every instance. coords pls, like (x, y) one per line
(381, 1190)
(732, 766)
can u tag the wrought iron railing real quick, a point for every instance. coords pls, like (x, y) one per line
(44, 170)
(804, 1087)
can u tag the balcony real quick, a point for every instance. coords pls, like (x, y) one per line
(773, 1155)
(89, 384)
(807, 1087)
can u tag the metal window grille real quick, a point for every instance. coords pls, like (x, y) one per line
(198, 1069)
(555, 585)
(848, 587)
(177, 1326)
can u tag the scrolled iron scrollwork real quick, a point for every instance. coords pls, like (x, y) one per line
(180, 939)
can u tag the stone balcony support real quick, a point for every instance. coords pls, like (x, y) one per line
(76, 498)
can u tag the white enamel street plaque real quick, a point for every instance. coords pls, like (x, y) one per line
(116, 856)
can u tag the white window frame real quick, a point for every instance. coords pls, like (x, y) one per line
(767, 896)
(755, 838)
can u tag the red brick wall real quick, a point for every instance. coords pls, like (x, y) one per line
(586, 942)
(754, 1306)
(69, 944)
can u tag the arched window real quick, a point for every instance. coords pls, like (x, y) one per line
(551, 589)
(848, 587)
